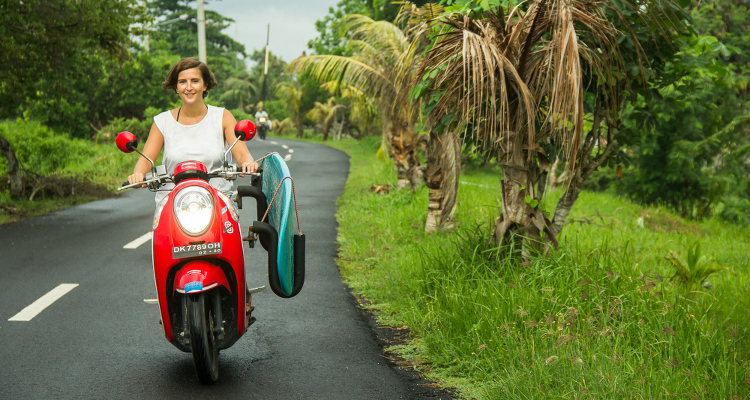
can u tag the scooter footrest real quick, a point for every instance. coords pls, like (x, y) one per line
(256, 290)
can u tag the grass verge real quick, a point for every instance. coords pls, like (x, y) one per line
(599, 318)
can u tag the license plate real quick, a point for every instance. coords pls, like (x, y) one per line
(195, 250)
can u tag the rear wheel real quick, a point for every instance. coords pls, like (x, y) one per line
(202, 344)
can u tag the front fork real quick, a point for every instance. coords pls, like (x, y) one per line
(216, 316)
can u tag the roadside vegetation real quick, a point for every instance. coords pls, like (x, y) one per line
(551, 196)
(605, 316)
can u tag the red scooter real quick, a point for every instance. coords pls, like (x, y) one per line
(198, 257)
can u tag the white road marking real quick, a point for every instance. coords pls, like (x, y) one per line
(137, 242)
(291, 150)
(272, 142)
(283, 146)
(43, 302)
(151, 301)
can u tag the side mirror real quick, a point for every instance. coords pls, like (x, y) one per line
(245, 130)
(126, 142)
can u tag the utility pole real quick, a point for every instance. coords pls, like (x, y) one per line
(265, 68)
(201, 33)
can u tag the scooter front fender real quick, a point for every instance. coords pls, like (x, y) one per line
(199, 276)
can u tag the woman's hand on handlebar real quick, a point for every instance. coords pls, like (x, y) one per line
(249, 167)
(135, 178)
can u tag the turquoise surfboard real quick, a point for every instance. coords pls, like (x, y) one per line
(280, 215)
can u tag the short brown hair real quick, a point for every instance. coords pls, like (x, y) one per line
(170, 82)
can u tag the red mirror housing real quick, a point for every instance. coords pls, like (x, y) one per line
(126, 142)
(245, 130)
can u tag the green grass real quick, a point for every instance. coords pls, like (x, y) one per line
(598, 318)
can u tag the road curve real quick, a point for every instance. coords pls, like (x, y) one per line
(101, 340)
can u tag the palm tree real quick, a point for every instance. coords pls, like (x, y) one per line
(325, 114)
(383, 65)
(291, 93)
(238, 90)
(519, 81)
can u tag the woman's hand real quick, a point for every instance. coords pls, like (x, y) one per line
(249, 167)
(135, 178)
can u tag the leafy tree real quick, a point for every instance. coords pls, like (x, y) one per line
(526, 78)
(691, 139)
(325, 114)
(47, 45)
(275, 76)
(292, 95)
(238, 91)
(331, 41)
(181, 37)
(381, 67)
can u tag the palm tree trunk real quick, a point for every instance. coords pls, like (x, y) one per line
(16, 181)
(442, 170)
(521, 223)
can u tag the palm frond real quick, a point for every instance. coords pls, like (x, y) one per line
(345, 71)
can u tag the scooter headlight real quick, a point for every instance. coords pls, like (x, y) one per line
(229, 204)
(194, 209)
(159, 208)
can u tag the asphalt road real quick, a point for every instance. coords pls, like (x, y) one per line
(101, 340)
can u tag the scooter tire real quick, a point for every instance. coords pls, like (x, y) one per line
(202, 343)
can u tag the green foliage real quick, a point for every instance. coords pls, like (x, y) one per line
(689, 139)
(53, 50)
(598, 318)
(332, 40)
(43, 151)
(695, 269)
(736, 210)
(274, 77)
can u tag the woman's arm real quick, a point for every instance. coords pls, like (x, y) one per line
(153, 146)
(239, 151)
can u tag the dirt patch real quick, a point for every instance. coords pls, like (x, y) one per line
(663, 222)
(386, 336)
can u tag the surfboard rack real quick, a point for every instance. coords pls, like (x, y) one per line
(274, 227)
(260, 198)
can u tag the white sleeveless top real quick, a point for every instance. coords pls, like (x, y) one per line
(202, 142)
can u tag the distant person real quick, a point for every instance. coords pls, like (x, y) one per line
(263, 124)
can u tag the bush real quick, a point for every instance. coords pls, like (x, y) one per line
(42, 151)
(736, 210)
(39, 149)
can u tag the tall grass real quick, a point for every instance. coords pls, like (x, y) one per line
(598, 318)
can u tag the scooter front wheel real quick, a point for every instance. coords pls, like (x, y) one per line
(202, 343)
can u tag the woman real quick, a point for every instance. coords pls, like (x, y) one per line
(194, 131)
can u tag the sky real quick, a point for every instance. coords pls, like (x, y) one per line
(292, 23)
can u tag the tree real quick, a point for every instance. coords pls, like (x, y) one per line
(690, 139)
(239, 91)
(292, 94)
(330, 39)
(381, 67)
(524, 80)
(325, 114)
(181, 37)
(49, 40)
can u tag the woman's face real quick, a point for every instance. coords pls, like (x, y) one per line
(190, 86)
